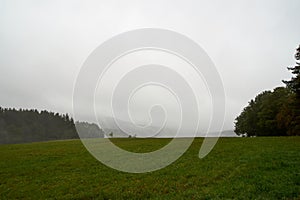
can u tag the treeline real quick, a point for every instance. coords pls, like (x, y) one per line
(88, 130)
(21, 126)
(274, 113)
(270, 114)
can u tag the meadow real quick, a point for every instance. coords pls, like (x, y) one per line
(237, 168)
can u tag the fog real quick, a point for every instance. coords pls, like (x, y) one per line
(43, 45)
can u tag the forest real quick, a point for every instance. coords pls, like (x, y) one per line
(21, 126)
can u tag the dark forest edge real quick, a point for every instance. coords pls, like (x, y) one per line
(22, 126)
(274, 113)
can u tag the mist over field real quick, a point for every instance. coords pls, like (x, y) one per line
(43, 45)
(111, 99)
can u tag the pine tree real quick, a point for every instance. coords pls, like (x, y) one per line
(294, 85)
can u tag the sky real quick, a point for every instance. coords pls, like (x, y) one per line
(43, 44)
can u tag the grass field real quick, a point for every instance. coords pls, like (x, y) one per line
(237, 168)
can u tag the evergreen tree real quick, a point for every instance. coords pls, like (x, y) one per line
(19, 126)
(294, 85)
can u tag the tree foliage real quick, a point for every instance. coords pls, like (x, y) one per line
(267, 114)
(274, 113)
(89, 130)
(294, 85)
(19, 126)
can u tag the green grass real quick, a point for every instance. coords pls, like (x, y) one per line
(237, 168)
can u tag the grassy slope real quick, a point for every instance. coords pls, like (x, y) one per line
(241, 168)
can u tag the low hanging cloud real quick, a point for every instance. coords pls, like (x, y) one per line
(44, 44)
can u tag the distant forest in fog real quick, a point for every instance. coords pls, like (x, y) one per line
(21, 126)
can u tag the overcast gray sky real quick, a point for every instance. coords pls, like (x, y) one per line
(44, 43)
